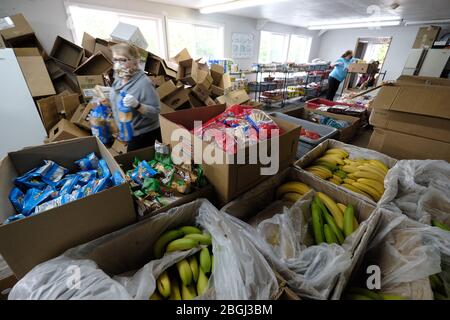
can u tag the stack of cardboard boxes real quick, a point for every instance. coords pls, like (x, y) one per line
(412, 119)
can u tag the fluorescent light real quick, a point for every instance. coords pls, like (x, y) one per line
(412, 23)
(238, 4)
(371, 24)
(352, 21)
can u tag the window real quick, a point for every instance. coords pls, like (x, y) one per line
(283, 47)
(100, 23)
(202, 41)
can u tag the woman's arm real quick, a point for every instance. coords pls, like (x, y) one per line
(148, 111)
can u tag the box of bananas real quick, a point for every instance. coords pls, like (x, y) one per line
(358, 170)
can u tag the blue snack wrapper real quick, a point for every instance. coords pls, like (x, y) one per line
(69, 184)
(90, 162)
(51, 172)
(86, 176)
(117, 179)
(142, 171)
(103, 170)
(101, 184)
(33, 198)
(30, 180)
(13, 218)
(53, 203)
(16, 196)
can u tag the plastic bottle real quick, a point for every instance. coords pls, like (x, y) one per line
(125, 120)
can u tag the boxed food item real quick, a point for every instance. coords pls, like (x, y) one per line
(35, 72)
(23, 243)
(405, 146)
(67, 52)
(426, 37)
(229, 178)
(129, 33)
(280, 209)
(171, 185)
(65, 130)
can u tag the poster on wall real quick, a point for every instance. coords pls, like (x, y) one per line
(242, 45)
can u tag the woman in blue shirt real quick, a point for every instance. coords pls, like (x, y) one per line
(339, 73)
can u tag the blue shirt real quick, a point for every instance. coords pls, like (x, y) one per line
(340, 70)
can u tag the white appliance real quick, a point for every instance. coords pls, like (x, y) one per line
(412, 65)
(434, 63)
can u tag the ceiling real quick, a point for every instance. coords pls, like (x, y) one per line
(304, 12)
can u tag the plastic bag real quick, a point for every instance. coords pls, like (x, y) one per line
(240, 270)
(99, 119)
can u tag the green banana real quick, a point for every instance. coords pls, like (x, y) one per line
(155, 296)
(190, 230)
(187, 292)
(181, 245)
(341, 174)
(349, 216)
(201, 238)
(205, 260)
(163, 284)
(202, 284)
(193, 263)
(365, 292)
(440, 225)
(161, 243)
(175, 293)
(317, 224)
(329, 235)
(184, 270)
(212, 263)
(330, 221)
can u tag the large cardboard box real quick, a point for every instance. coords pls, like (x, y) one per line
(96, 65)
(33, 240)
(426, 37)
(65, 130)
(88, 83)
(35, 72)
(190, 73)
(427, 100)
(412, 124)
(423, 80)
(67, 52)
(126, 162)
(217, 72)
(172, 95)
(229, 178)
(14, 27)
(53, 108)
(362, 68)
(129, 33)
(234, 97)
(181, 56)
(404, 146)
(93, 45)
(66, 83)
(81, 116)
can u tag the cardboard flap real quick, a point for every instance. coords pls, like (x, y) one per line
(36, 75)
(96, 65)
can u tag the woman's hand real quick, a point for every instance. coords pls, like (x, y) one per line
(131, 102)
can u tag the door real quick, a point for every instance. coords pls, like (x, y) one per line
(435, 62)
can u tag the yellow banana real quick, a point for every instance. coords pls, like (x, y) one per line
(349, 169)
(321, 168)
(164, 239)
(203, 238)
(349, 181)
(369, 190)
(341, 207)
(354, 189)
(188, 292)
(189, 230)
(369, 175)
(334, 182)
(371, 168)
(202, 283)
(155, 296)
(372, 183)
(292, 197)
(352, 176)
(380, 165)
(182, 244)
(163, 284)
(337, 178)
(175, 293)
(184, 270)
(332, 158)
(193, 264)
(333, 208)
(340, 152)
(321, 175)
(292, 187)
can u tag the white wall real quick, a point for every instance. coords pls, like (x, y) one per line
(334, 43)
(49, 19)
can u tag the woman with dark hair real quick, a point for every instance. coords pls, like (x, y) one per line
(339, 73)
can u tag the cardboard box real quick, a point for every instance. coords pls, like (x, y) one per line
(66, 83)
(33, 240)
(14, 27)
(225, 82)
(126, 163)
(423, 80)
(154, 65)
(164, 108)
(207, 81)
(233, 98)
(217, 72)
(88, 83)
(426, 37)
(216, 91)
(201, 92)
(34, 72)
(189, 73)
(157, 80)
(177, 99)
(170, 69)
(96, 65)
(362, 68)
(53, 108)
(229, 180)
(93, 45)
(427, 100)
(423, 126)
(120, 147)
(67, 52)
(129, 33)
(2, 43)
(261, 203)
(404, 146)
(65, 130)
(195, 102)
(165, 89)
(53, 69)
(181, 56)
(254, 104)
(81, 116)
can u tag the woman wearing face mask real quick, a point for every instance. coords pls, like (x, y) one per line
(339, 73)
(140, 97)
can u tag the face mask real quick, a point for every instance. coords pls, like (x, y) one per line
(122, 71)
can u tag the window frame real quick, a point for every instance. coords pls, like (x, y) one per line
(308, 38)
(160, 21)
(195, 23)
(289, 42)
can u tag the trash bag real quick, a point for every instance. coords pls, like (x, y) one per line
(420, 190)
(240, 270)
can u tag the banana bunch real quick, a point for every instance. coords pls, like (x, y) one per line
(292, 191)
(365, 294)
(331, 222)
(187, 279)
(362, 176)
(181, 239)
(438, 287)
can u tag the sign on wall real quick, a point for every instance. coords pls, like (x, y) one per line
(242, 45)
